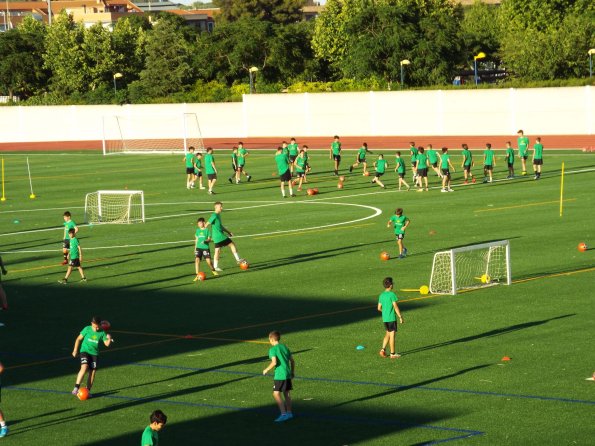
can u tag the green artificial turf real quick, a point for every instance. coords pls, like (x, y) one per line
(315, 275)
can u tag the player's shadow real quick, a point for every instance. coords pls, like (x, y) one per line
(28, 242)
(487, 334)
(14, 422)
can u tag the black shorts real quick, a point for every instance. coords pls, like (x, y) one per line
(190, 170)
(422, 172)
(66, 243)
(198, 173)
(466, 168)
(211, 176)
(413, 163)
(378, 174)
(90, 360)
(282, 385)
(488, 167)
(390, 326)
(75, 262)
(524, 157)
(538, 162)
(435, 164)
(361, 160)
(300, 174)
(446, 172)
(292, 158)
(223, 243)
(202, 253)
(234, 167)
(402, 175)
(337, 157)
(510, 164)
(400, 236)
(240, 168)
(286, 176)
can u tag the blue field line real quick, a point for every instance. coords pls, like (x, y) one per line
(467, 433)
(376, 384)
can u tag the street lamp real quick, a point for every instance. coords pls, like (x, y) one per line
(251, 73)
(403, 62)
(591, 52)
(480, 55)
(116, 76)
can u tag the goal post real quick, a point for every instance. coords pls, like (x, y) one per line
(151, 133)
(115, 206)
(471, 267)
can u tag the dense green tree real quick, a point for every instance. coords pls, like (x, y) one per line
(272, 11)
(129, 39)
(480, 30)
(101, 60)
(291, 54)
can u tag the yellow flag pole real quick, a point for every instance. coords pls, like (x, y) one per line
(3, 197)
(562, 190)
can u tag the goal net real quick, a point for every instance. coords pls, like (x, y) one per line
(115, 206)
(469, 267)
(151, 133)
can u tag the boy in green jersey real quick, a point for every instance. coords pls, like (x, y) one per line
(219, 237)
(400, 169)
(151, 433)
(308, 168)
(201, 247)
(300, 168)
(234, 166)
(189, 160)
(335, 153)
(198, 170)
(88, 340)
(413, 152)
(489, 162)
(509, 160)
(284, 365)
(242, 154)
(387, 305)
(293, 150)
(380, 165)
(400, 224)
(282, 161)
(537, 158)
(467, 164)
(75, 257)
(210, 169)
(422, 165)
(68, 225)
(523, 144)
(3, 299)
(361, 159)
(433, 159)
(3, 427)
(445, 166)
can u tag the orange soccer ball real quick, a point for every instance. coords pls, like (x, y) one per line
(315, 191)
(582, 247)
(310, 191)
(366, 174)
(340, 185)
(384, 255)
(83, 394)
(105, 325)
(244, 265)
(202, 276)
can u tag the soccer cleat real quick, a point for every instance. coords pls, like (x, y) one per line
(382, 353)
(202, 188)
(401, 256)
(62, 281)
(299, 189)
(405, 251)
(288, 415)
(237, 181)
(450, 190)
(75, 391)
(408, 188)
(350, 169)
(443, 190)
(241, 261)
(84, 279)
(281, 418)
(195, 279)
(215, 273)
(3, 431)
(249, 178)
(210, 192)
(394, 356)
(292, 195)
(523, 173)
(217, 269)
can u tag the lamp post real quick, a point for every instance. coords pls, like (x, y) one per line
(116, 76)
(480, 55)
(591, 52)
(251, 73)
(403, 63)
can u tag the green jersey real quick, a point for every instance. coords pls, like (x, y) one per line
(380, 165)
(91, 340)
(283, 355)
(386, 299)
(422, 161)
(336, 147)
(217, 228)
(413, 151)
(467, 157)
(282, 163)
(209, 162)
(306, 157)
(300, 164)
(68, 225)
(510, 155)
(150, 437)
(538, 151)
(361, 153)
(293, 149)
(489, 157)
(432, 156)
(242, 156)
(523, 143)
(445, 158)
(74, 248)
(189, 160)
(398, 223)
(400, 165)
(234, 159)
(201, 236)
(198, 163)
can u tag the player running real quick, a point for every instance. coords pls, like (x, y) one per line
(242, 155)
(361, 159)
(400, 169)
(380, 165)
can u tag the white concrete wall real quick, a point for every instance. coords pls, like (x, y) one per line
(551, 111)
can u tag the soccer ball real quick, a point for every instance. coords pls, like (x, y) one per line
(582, 247)
(366, 173)
(315, 191)
(384, 255)
(83, 394)
(310, 191)
(244, 265)
(105, 325)
(341, 178)
(340, 185)
(202, 276)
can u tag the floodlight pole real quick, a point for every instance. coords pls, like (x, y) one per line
(116, 76)
(403, 63)
(480, 55)
(251, 74)
(591, 52)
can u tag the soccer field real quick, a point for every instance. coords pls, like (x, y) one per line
(196, 350)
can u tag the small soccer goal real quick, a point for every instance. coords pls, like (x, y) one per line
(151, 133)
(115, 206)
(470, 267)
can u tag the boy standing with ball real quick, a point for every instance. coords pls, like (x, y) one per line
(284, 365)
(400, 223)
(88, 340)
(201, 247)
(219, 235)
(387, 305)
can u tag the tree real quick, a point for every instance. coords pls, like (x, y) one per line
(129, 39)
(273, 11)
(291, 54)
(100, 58)
(480, 30)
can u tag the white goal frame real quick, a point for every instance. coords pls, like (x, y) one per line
(126, 217)
(154, 133)
(450, 256)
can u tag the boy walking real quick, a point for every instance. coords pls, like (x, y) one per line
(234, 166)
(422, 169)
(433, 159)
(387, 305)
(284, 172)
(198, 170)
(400, 224)
(189, 159)
(68, 225)
(219, 237)
(537, 158)
(466, 165)
(489, 162)
(151, 433)
(88, 340)
(3, 299)
(523, 144)
(400, 169)
(242, 154)
(211, 170)
(380, 165)
(509, 160)
(300, 168)
(284, 365)
(335, 154)
(413, 152)
(75, 256)
(445, 166)
(201, 248)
